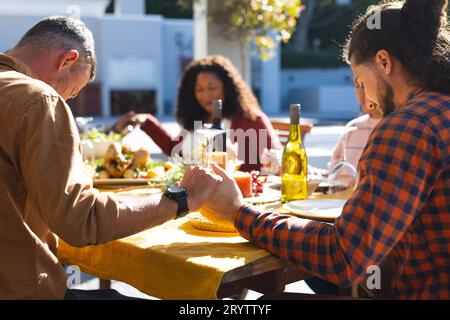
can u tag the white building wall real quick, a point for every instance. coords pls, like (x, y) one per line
(323, 93)
(16, 26)
(133, 52)
(178, 46)
(270, 84)
(130, 55)
(130, 7)
(293, 79)
(54, 7)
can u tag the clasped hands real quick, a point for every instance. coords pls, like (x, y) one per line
(213, 191)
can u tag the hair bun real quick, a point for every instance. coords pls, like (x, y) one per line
(431, 14)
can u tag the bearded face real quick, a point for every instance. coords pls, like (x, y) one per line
(374, 87)
(385, 96)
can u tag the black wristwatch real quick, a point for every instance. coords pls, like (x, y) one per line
(179, 194)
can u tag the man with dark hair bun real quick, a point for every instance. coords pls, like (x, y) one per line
(401, 206)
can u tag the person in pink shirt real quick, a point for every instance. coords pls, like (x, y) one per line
(349, 146)
(352, 143)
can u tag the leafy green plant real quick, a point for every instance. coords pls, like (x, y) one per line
(96, 136)
(264, 22)
(174, 175)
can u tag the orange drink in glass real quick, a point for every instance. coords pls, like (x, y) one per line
(244, 182)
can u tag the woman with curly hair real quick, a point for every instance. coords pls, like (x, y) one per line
(204, 81)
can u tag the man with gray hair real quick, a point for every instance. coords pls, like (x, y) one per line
(45, 190)
(69, 43)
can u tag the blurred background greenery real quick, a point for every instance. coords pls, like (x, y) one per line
(315, 43)
(318, 37)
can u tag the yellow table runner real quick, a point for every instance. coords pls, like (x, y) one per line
(171, 261)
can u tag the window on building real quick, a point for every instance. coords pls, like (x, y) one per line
(139, 101)
(88, 102)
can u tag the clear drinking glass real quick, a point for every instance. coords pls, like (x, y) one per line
(343, 175)
(271, 161)
(209, 134)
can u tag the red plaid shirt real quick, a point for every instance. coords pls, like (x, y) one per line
(401, 206)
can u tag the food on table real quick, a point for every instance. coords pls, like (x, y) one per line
(96, 136)
(103, 175)
(215, 218)
(130, 174)
(250, 184)
(152, 174)
(140, 159)
(120, 161)
(257, 182)
(200, 222)
(156, 172)
(168, 165)
(115, 161)
(175, 174)
(95, 142)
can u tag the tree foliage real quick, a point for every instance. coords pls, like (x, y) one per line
(317, 41)
(169, 9)
(264, 22)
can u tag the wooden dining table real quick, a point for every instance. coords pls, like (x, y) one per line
(177, 261)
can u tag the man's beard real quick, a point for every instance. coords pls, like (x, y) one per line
(385, 96)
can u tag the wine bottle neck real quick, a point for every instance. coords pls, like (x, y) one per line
(294, 129)
(295, 118)
(216, 123)
(294, 132)
(217, 114)
(295, 113)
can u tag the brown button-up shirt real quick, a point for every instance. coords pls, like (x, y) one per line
(45, 189)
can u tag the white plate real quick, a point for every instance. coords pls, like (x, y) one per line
(323, 209)
(263, 198)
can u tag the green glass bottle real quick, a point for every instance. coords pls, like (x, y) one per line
(294, 162)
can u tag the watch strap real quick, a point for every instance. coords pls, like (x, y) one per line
(183, 208)
(181, 200)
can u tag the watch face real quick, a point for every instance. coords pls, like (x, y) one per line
(175, 190)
